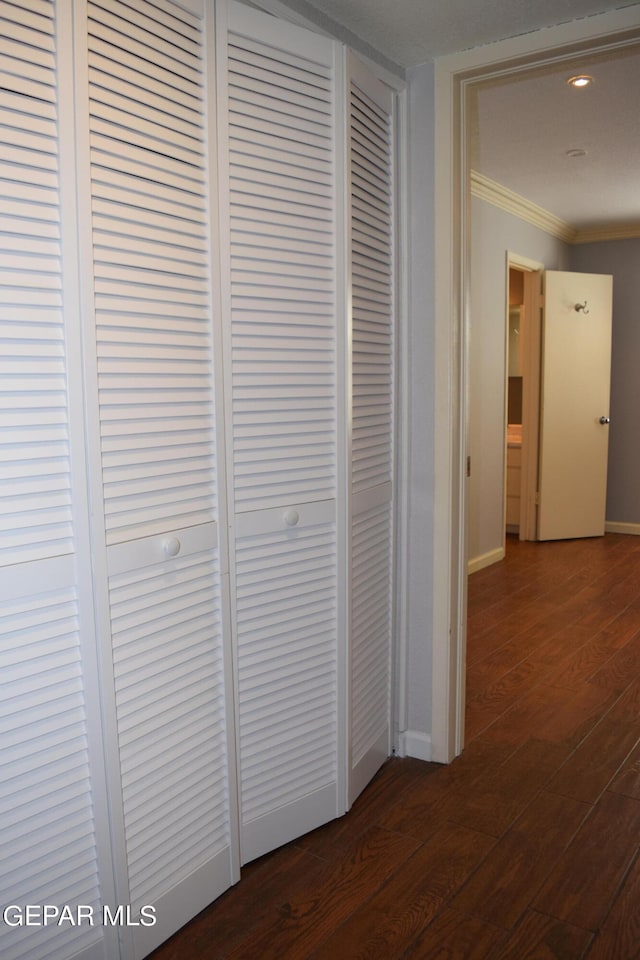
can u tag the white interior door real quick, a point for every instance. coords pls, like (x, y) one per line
(160, 569)
(53, 806)
(370, 206)
(279, 156)
(574, 431)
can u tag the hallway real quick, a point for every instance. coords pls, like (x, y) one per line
(524, 847)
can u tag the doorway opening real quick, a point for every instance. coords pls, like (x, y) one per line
(454, 76)
(522, 395)
(516, 336)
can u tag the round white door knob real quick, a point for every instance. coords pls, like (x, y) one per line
(291, 517)
(171, 547)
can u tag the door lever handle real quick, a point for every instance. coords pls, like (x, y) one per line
(605, 420)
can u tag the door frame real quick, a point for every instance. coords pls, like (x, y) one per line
(453, 76)
(532, 271)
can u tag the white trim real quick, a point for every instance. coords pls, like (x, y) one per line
(450, 425)
(485, 560)
(402, 424)
(629, 231)
(533, 307)
(133, 554)
(505, 410)
(344, 506)
(415, 744)
(284, 12)
(533, 275)
(523, 263)
(330, 28)
(452, 76)
(631, 528)
(223, 397)
(213, 123)
(494, 193)
(486, 189)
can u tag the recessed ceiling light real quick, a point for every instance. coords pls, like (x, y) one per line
(581, 80)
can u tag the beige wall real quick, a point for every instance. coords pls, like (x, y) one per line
(493, 233)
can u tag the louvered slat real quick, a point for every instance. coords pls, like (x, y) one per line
(153, 310)
(371, 264)
(283, 290)
(370, 628)
(46, 807)
(286, 610)
(35, 486)
(172, 739)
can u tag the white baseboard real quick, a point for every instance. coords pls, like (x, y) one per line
(414, 744)
(632, 528)
(485, 560)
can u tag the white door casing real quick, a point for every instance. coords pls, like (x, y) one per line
(576, 371)
(453, 76)
(533, 287)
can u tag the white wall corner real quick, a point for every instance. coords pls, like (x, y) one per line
(413, 743)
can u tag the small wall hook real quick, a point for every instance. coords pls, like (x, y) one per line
(581, 307)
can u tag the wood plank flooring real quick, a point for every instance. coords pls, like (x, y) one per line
(525, 847)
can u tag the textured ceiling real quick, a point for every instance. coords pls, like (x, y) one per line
(521, 130)
(522, 126)
(409, 32)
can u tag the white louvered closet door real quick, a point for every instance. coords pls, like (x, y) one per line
(372, 417)
(172, 745)
(282, 409)
(52, 795)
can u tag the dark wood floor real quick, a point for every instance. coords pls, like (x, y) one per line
(525, 847)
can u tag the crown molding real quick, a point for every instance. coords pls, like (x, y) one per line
(623, 231)
(486, 189)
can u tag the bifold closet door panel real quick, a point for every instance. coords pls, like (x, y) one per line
(286, 623)
(279, 154)
(164, 618)
(371, 212)
(52, 794)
